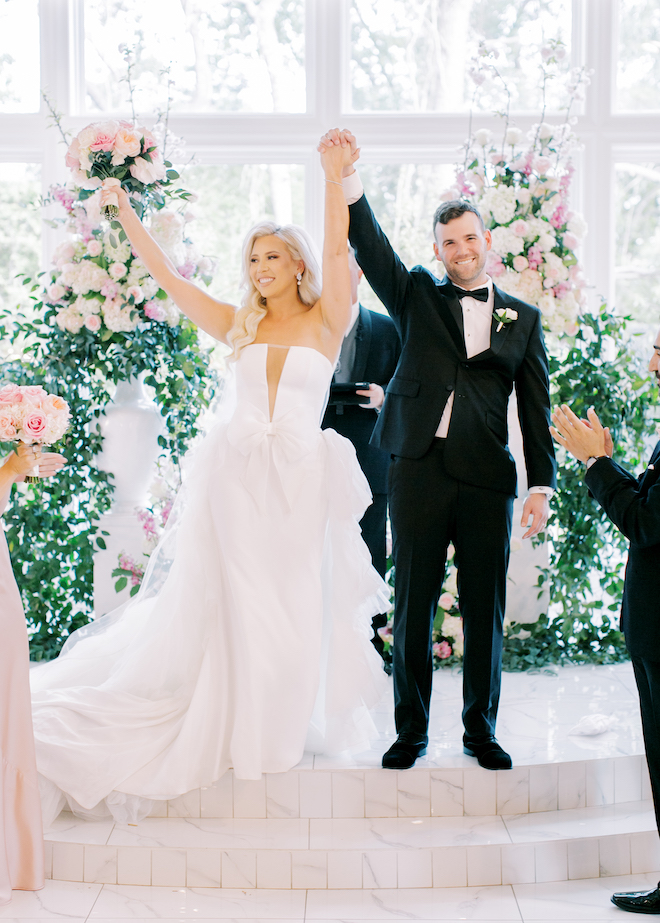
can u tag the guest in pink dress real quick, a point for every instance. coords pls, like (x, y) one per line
(21, 836)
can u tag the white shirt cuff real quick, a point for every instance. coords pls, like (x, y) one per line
(548, 491)
(353, 188)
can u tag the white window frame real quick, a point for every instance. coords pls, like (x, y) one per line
(282, 138)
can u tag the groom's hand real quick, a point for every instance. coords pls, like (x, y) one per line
(538, 507)
(343, 138)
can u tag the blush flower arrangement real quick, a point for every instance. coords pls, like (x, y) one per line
(153, 520)
(520, 184)
(98, 287)
(29, 414)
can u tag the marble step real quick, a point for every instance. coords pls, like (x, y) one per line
(428, 790)
(354, 853)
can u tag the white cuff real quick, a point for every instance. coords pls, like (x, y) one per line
(548, 491)
(353, 188)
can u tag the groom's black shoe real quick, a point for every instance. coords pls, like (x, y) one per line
(638, 901)
(402, 755)
(489, 754)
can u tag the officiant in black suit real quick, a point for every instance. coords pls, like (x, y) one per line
(633, 505)
(369, 354)
(465, 344)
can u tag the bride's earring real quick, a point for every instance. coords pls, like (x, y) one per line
(299, 278)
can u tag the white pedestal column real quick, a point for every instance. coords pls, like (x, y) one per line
(130, 427)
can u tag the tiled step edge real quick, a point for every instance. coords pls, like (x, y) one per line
(438, 867)
(423, 792)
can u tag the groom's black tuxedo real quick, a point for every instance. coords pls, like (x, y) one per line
(458, 489)
(633, 504)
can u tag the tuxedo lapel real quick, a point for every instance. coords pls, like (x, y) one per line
(452, 313)
(362, 345)
(498, 337)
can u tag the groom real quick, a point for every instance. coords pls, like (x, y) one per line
(465, 344)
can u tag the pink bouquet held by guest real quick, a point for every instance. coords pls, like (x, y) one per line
(29, 414)
(119, 152)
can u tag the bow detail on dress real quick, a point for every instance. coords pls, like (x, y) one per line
(276, 444)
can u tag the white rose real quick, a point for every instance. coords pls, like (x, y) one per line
(117, 270)
(577, 226)
(513, 136)
(482, 136)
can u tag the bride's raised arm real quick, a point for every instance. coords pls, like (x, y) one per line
(336, 293)
(216, 317)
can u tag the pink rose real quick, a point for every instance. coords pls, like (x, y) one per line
(117, 270)
(7, 427)
(105, 137)
(146, 172)
(33, 393)
(446, 601)
(55, 404)
(109, 289)
(93, 322)
(55, 292)
(520, 263)
(442, 650)
(541, 164)
(154, 311)
(136, 293)
(127, 144)
(72, 157)
(34, 425)
(9, 391)
(519, 227)
(494, 265)
(148, 140)
(570, 241)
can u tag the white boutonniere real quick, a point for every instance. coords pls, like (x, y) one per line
(505, 316)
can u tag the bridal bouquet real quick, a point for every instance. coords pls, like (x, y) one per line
(31, 415)
(117, 150)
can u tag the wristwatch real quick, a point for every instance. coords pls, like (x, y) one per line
(592, 459)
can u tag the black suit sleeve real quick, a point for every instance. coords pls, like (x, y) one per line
(385, 272)
(636, 513)
(532, 393)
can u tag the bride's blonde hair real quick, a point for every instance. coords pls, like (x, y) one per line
(253, 305)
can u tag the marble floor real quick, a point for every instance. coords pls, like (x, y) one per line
(568, 902)
(538, 713)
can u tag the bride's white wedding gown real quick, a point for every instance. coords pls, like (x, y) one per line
(254, 645)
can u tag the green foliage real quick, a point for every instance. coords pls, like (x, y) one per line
(53, 526)
(585, 572)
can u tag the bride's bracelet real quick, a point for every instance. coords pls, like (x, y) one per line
(334, 182)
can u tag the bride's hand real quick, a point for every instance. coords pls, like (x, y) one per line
(110, 190)
(342, 146)
(25, 458)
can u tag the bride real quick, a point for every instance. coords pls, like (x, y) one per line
(250, 638)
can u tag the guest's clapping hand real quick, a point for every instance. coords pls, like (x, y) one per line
(584, 439)
(342, 139)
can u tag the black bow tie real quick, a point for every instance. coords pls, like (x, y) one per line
(481, 294)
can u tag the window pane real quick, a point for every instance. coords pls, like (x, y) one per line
(638, 70)
(231, 199)
(221, 56)
(637, 226)
(404, 198)
(20, 229)
(414, 55)
(19, 56)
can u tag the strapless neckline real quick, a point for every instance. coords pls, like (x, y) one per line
(294, 346)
